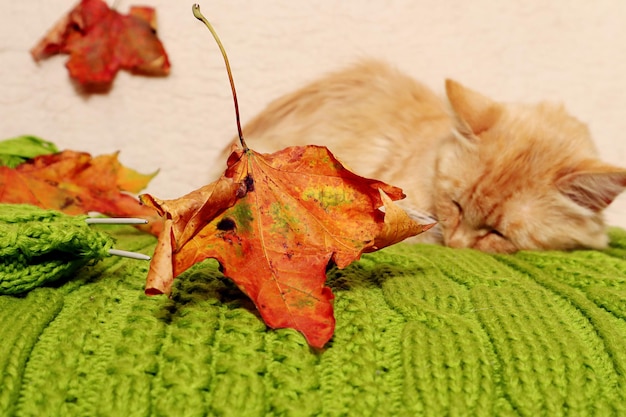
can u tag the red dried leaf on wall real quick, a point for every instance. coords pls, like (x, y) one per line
(101, 41)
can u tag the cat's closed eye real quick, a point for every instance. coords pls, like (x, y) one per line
(486, 230)
(496, 232)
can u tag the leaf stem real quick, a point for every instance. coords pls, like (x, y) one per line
(198, 15)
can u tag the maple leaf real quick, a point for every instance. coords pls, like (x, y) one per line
(100, 41)
(274, 222)
(75, 183)
(397, 227)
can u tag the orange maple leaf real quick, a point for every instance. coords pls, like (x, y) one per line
(100, 41)
(274, 222)
(76, 183)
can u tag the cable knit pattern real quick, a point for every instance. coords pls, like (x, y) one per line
(421, 331)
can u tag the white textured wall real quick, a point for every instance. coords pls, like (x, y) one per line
(572, 51)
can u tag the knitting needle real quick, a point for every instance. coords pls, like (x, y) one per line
(127, 254)
(120, 220)
(115, 220)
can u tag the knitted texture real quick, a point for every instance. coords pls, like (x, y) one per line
(421, 331)
(40, 246)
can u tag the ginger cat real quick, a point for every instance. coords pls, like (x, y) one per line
(497, 177)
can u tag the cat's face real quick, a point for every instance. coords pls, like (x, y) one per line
(516, 177)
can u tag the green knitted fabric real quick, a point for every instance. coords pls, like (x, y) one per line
(41, 246)
(421, 331)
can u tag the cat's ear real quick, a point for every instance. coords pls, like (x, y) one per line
(593, 187)
(473, 112)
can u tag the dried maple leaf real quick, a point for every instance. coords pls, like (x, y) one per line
(398, 225)
(274, 222)
(100, 41)
(76, 183)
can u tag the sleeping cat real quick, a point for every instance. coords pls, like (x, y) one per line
(497, 177)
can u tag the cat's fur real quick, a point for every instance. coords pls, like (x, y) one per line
(497, 177)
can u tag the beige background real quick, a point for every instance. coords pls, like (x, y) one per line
(572, 51)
